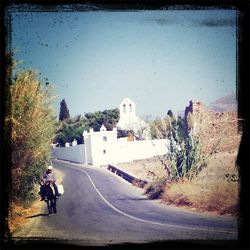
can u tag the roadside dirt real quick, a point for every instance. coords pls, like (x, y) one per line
(21, 215)
(217, 183)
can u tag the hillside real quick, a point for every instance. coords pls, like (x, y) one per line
(214, 190)
(223, 104)
(226, 103)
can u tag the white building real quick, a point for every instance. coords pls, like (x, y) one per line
(130, 121)
(99, 146)
(103, 147)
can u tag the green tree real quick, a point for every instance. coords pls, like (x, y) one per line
(72, 128)
(64, 112)
(109, 118)
(170, 113)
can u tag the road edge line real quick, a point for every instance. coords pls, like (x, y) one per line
(147, 221)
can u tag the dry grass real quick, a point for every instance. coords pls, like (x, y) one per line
(221, 197)
(19, 211)
(148, 169)
(18, 215)
(215, 189)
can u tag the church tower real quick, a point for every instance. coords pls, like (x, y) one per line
(129, 121)
(127, 109)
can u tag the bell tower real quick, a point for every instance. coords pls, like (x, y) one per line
(127, 109)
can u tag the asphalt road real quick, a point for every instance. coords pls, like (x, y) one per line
(100, 208)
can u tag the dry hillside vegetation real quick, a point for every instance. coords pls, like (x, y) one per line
(147, 169)
(19, 215)
(215, 189)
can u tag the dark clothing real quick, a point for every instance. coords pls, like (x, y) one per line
(48, 176)
(56, 189)
(43, 190)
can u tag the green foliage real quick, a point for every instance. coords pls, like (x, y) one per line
(180, 130)
(30, 121)
(29, 177)
(186, 159)
(72, 128)
(167, 127)
(109, 118)
(64, 112)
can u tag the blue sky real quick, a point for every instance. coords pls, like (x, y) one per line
(160, 59)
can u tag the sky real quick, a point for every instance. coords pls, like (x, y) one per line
(161, 59)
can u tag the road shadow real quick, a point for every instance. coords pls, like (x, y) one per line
(36, 215)
(135, 199)
(133, 180)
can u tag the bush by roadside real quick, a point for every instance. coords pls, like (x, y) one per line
(155, 189)
(29, 128)
(219, 196)
(214, 189)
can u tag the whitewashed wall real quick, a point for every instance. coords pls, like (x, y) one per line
(73, 153)
(126, 151)
(117, 151)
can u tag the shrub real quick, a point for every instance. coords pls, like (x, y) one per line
(186, 159)
(155, 189)
(31, 121)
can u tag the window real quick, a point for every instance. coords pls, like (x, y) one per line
(130, 107)
(124, 108)
(104, 151)
(105, 138)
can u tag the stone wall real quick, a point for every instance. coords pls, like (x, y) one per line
(218, 130)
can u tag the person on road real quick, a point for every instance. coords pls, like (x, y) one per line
(48, 176)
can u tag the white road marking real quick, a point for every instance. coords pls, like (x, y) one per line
(147, 221)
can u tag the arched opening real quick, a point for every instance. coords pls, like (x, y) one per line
(130, 107)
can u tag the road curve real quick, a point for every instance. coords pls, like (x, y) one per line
(100, 208)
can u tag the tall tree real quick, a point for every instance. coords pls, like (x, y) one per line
(170, 113)
(64, 112)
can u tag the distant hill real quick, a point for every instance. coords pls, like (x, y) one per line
(226, 103)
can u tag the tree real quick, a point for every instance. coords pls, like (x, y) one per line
(64, 112)
(170, 113)
(107, 117)
(72, 128)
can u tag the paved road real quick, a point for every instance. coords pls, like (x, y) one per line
(99, 208)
